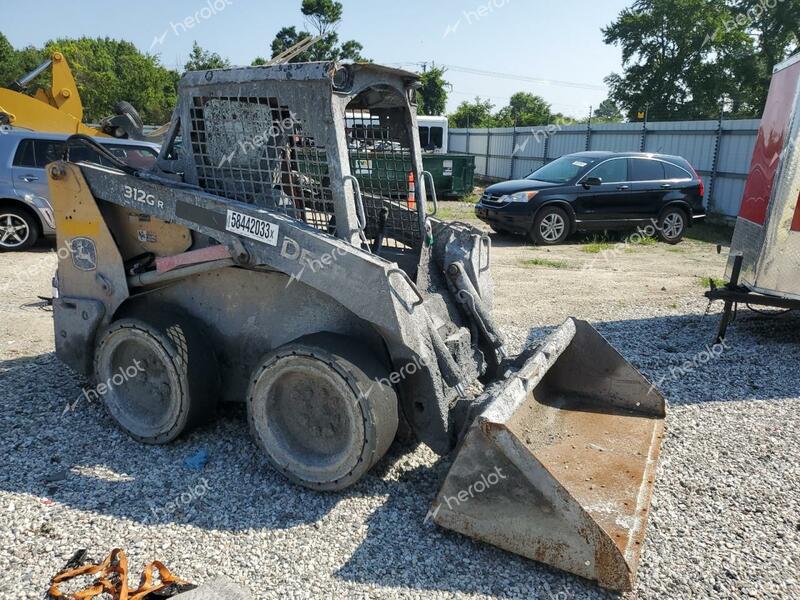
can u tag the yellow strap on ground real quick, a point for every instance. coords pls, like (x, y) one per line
(113, 579)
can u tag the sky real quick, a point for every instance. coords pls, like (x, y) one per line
(550, 48)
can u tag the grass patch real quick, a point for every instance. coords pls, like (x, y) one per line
(707, 281)
(641, 240)
(546, 262)
(596, 247)
(454, 211)
(676, 250)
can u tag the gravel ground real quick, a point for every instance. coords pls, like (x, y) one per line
(725, 511)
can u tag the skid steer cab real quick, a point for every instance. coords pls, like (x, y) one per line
(279, 254)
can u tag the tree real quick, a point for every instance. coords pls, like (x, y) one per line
(432, 94)
(524, 110)
(473, 114)
(322, 16)
(773, 27)
(105, 70)
(717, 50)
(667, 60)
(203, 60)
(16, 63)
(608, 112)
(8, 61)
(562, 119)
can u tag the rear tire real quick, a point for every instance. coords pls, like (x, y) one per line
(550, 227)
(322, 410)
(19, 230)
(161, 380)
(672, 225)
(126, 108)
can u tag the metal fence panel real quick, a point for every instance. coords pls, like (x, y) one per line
(720, 150)
(567, 140)
(616, 137)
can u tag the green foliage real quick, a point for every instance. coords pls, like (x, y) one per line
(203, 60)
(8, 67)
(432, 95)
(16, 63)
(774, 26)
(607, 112)
(641, 240)
(524, 110)
(105, 70)
(708, 282)
(681, 58)
(596, 247)
(546, 262)
(322, 16)
(562, 119)
(473, 114)
(351, 50)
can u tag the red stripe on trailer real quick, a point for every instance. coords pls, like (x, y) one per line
(796, 220)
(770, 145)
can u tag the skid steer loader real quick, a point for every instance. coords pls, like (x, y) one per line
(280, 254)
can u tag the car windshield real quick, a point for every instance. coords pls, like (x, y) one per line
(563, 169)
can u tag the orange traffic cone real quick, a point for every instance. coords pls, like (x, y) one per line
(412, 191)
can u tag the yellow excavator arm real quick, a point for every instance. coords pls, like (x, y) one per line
(58, 109)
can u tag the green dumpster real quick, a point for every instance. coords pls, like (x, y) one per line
(387, 173)
(453, 174)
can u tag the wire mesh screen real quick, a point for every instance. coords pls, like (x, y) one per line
(254, 149)
(381, 158)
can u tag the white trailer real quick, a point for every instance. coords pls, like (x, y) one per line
(764, 263)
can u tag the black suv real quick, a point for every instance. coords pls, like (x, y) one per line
(597, 191)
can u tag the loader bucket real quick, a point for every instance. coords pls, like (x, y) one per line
(559, 464)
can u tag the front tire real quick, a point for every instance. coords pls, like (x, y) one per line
(160, 379)
(672, 225)
(550, 227)
(323, 411)
(19, 230)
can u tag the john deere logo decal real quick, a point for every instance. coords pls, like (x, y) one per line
(84, 254)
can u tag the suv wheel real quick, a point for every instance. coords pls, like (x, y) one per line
(18, 230)
(672, 225)
(550, 227)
